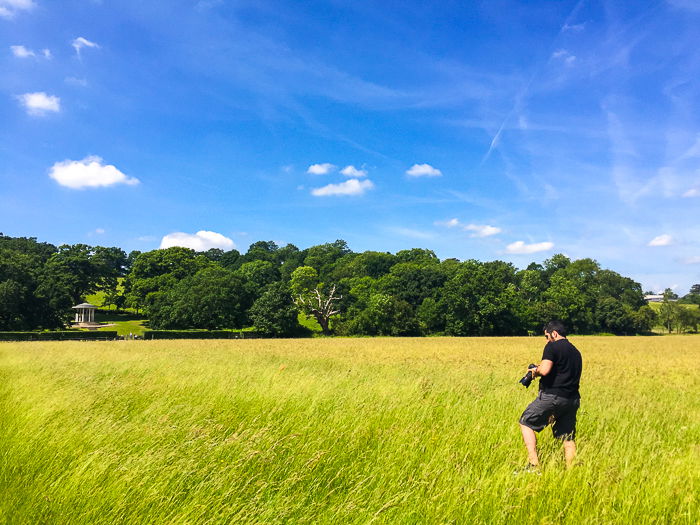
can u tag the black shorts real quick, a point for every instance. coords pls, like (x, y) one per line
(562, 410)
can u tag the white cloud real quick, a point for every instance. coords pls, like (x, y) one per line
(452, 223)
(693, 192)
(23, 52)
(81, 42)
(565, 56)
(88, 173)
(40, 103)
(661, 240)
(8, 8)
(352, 171)
(349, 187)
(478, 230)
(201, 241)
(99, 231)
(423, 170)
(695, 259)
(482, 230)
(522, 248)
(321, 169)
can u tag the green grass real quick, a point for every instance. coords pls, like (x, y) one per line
(341, 431)
(125, 323)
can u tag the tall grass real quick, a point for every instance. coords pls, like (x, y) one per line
(340, 431)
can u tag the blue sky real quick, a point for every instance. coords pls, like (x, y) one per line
(488, 130)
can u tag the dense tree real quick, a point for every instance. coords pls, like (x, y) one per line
(378, 293)
(693, 296)
(481, 299)
(159, 271)
(615, 316)
(213, 298)
(668, 313)
(289, 258)
(323, 257)
(274, 314)
(262, 251)
(385, 315)
(413, 282)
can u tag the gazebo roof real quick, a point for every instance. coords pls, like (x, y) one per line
(84, 305)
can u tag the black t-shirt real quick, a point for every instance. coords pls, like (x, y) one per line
(565, 375)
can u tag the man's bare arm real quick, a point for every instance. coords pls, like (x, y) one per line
(544, 368)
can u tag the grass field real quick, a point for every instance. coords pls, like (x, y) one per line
(341, 431)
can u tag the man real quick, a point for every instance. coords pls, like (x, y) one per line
(558, 399)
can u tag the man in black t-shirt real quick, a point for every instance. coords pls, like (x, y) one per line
(558, 399)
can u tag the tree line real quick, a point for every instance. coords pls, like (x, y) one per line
(409, 293)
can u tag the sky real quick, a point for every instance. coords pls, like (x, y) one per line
(489, 130)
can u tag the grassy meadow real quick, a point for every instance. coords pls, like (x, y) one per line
(341, 431)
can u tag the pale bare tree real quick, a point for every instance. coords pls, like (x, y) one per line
(321, 306)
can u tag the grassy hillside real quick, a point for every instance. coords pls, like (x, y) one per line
(341, 431)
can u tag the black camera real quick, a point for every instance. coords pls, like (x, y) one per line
(527, 378)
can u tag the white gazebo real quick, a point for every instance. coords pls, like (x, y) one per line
(85, 313)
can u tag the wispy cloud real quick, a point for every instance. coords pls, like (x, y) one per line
(349, 187)
(40, 103)
(9, 8)
(482, 230)
(519, 247)
(81, 42)
(352, 171)
(564, 56)
(423, 170)
(661, 240)
(451, 223)
(321, 169)
(695, 259)
(692, 192)
(201, 241)
(23, 52)
(477, 230)
(90, 172)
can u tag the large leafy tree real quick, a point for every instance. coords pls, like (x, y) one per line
(274, 313)
(482, 299)
(158, 271)
(213, 298)
(324, 256)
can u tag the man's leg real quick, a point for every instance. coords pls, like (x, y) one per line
(530, 439)
(569, 452)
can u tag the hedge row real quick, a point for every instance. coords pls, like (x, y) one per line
(200, 334)
(73, 335)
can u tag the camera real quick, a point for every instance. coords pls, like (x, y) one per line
(527, 378)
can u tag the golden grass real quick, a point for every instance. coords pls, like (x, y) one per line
(341, 431)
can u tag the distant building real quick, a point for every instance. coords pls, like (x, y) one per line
(654, 298)
(85, 313)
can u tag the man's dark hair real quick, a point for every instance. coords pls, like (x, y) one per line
(557, 326)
